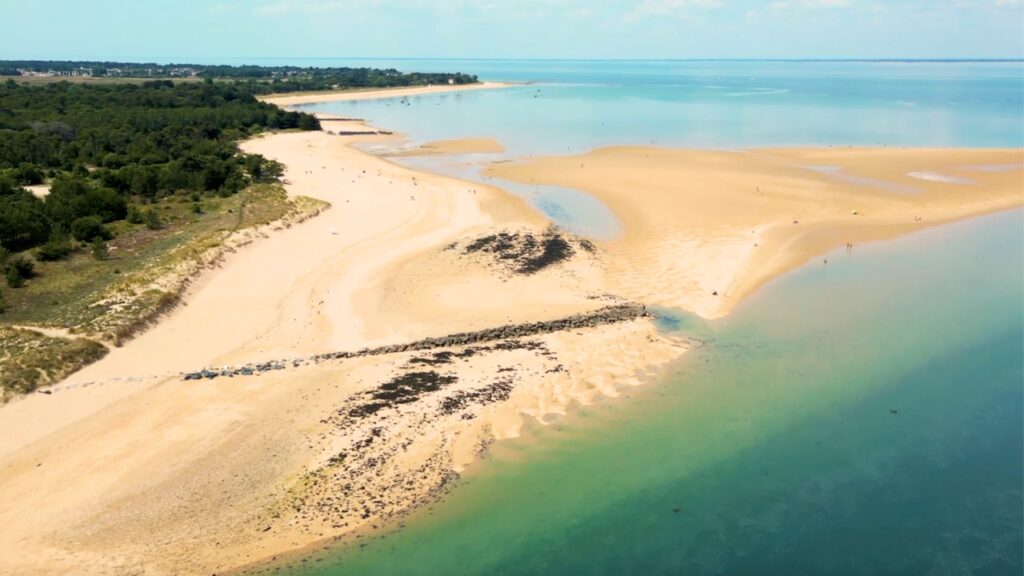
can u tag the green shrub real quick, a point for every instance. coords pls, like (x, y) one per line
(55, 249)
(99, 249)
(25, 267)
(153, 220)
(14, 278)
(23, 222)
(17, 269)
(29, 174)
(135, 216)
(74, 197)
(88, 227)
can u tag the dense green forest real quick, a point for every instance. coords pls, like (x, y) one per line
(107, 151)
(260, 79)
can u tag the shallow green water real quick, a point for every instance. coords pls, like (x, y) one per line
(863, 417)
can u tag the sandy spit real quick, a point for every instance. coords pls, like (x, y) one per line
(716, 225)
(346, 95)
(127, 469)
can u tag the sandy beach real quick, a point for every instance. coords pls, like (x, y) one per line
(200, 477)
(717, 225)
(127, 468)
(346, 95)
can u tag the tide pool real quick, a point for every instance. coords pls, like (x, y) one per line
(860, 417)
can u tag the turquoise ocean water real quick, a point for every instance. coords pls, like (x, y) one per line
(576, 106)
(864, 417)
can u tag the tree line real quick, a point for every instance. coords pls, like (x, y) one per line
(260, 79)
(109, 150)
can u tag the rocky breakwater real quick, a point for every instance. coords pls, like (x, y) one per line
(607, 315)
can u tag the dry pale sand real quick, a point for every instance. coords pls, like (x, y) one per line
(39, 190)
(344, 95)
(703, 229)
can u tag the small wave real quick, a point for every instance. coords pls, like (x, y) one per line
(936, 177)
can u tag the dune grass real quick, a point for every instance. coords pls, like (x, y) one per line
(30, 360)
(144, 275)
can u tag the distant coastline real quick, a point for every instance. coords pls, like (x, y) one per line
(294, 98)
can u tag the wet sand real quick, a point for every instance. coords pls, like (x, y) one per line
(450, 147)
(703, 229)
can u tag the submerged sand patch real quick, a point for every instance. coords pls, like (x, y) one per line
(454, 147)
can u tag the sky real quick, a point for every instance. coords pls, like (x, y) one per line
(250, 30)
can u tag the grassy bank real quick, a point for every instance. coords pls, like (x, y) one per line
(30, 359)
(108, 300)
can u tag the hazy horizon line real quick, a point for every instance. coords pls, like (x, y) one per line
(178, 60)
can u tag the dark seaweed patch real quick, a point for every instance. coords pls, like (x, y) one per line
(435, 359)
(555, 249)
(445, 356)
(402, 390)
(497, 392)
(525, 253)
(409, 387)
